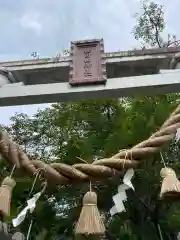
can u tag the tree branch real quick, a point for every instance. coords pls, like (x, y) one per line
(174, 42)
(155, 25)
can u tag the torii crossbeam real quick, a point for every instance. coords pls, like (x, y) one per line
(83, 76)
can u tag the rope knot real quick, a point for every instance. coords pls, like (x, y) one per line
(90, 198)
(167, 172)
(8, 182)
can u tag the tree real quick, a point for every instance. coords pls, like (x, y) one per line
(150, 25)
(121, 129)
(84, 137)
(149, 28)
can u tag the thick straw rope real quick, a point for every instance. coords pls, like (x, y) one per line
(60, 173)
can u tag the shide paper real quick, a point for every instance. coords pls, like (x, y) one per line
(121, 196)
(31, 204)
(177, 137)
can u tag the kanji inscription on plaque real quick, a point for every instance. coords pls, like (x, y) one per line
(88, 64)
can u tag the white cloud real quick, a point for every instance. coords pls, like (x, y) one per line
(31, 21)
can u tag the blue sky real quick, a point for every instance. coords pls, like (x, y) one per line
(48, 26)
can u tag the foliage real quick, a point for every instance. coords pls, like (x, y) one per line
(100, 130)
(150, 25)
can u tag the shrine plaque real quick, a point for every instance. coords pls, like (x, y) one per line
(88, 63)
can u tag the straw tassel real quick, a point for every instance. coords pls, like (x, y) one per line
(90, 221)
(170, 188)
(5, 196)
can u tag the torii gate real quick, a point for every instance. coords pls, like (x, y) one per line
(87, 68)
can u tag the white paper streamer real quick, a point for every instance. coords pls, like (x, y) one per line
(113, 210)
(177, 137)
(31, 204)
(118, 201)
(122, 187)
(127, 178)
(121, 195)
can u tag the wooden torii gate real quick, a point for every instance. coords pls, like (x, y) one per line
(87, 80)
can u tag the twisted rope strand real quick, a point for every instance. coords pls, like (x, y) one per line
(60, 173)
